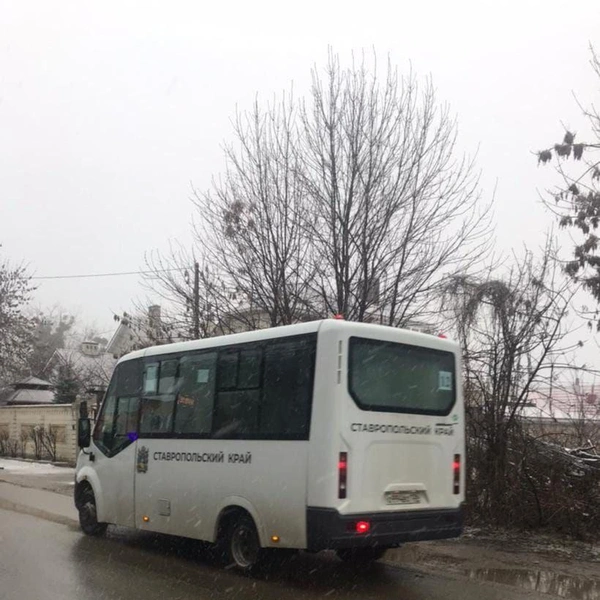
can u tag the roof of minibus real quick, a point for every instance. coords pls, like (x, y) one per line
(367, 329)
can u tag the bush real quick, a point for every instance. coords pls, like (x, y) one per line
(545, 487)
(12, 448)
(44, 442)
(4, 439)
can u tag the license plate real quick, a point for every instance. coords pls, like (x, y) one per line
(402, 497)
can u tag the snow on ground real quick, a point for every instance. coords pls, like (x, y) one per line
(21, 467)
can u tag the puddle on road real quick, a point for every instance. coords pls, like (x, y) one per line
(547, 582)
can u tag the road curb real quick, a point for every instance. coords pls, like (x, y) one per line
(36, 512)
(44, 488)
(56, 463)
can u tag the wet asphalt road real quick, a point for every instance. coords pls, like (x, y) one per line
(43, 560)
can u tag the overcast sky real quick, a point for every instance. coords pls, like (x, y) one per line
(108, 110)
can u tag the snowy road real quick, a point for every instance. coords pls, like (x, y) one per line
(48, 557)
(40, 559)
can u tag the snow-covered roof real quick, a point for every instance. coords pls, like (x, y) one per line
(121, 341)
(31, 390)
(94, 371)
(563, 405)
(543, 412)
(33, 382)
(30, 396)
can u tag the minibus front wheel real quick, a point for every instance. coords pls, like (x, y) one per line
(88, 516)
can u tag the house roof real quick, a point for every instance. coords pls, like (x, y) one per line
(121, 340)
(31, 390)
(544, 411)
(94, 371)
(33, 383)
(564, 405)
(30, 396)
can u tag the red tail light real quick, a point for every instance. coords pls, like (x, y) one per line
(343, 475)
(363, 527)
(456, 474)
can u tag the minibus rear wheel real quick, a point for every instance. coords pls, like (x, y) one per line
(243, 543)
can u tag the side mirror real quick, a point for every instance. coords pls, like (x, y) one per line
(84, 432)
(83, 409)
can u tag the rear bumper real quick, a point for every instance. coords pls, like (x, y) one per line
(327, 528)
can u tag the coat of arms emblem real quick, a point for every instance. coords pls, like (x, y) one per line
(142, 460)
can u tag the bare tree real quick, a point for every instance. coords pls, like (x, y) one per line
(512, 332)
(36, 434)
(13, 447)
(24, 437)
(395, 207)
(253, 223)
(49, 439)
(350, 201)
(4, 442)
(15, 325)
(44, 442)
(186, 288)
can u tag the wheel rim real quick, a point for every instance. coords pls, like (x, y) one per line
(88, 515)
(244, 546)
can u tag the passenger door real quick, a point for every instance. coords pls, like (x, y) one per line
(115, 439)
(158, 487)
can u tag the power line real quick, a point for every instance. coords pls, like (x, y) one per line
(114, 274)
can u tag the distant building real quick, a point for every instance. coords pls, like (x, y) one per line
(134, 333)
(89, 362)
(137, 332)
(123, 340)
(30, 391)
(572, 416)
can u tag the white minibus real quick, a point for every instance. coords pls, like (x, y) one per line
(322, 435)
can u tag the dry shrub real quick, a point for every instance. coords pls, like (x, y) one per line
(546, 487)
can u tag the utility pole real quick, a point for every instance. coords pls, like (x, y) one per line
(196, 307)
